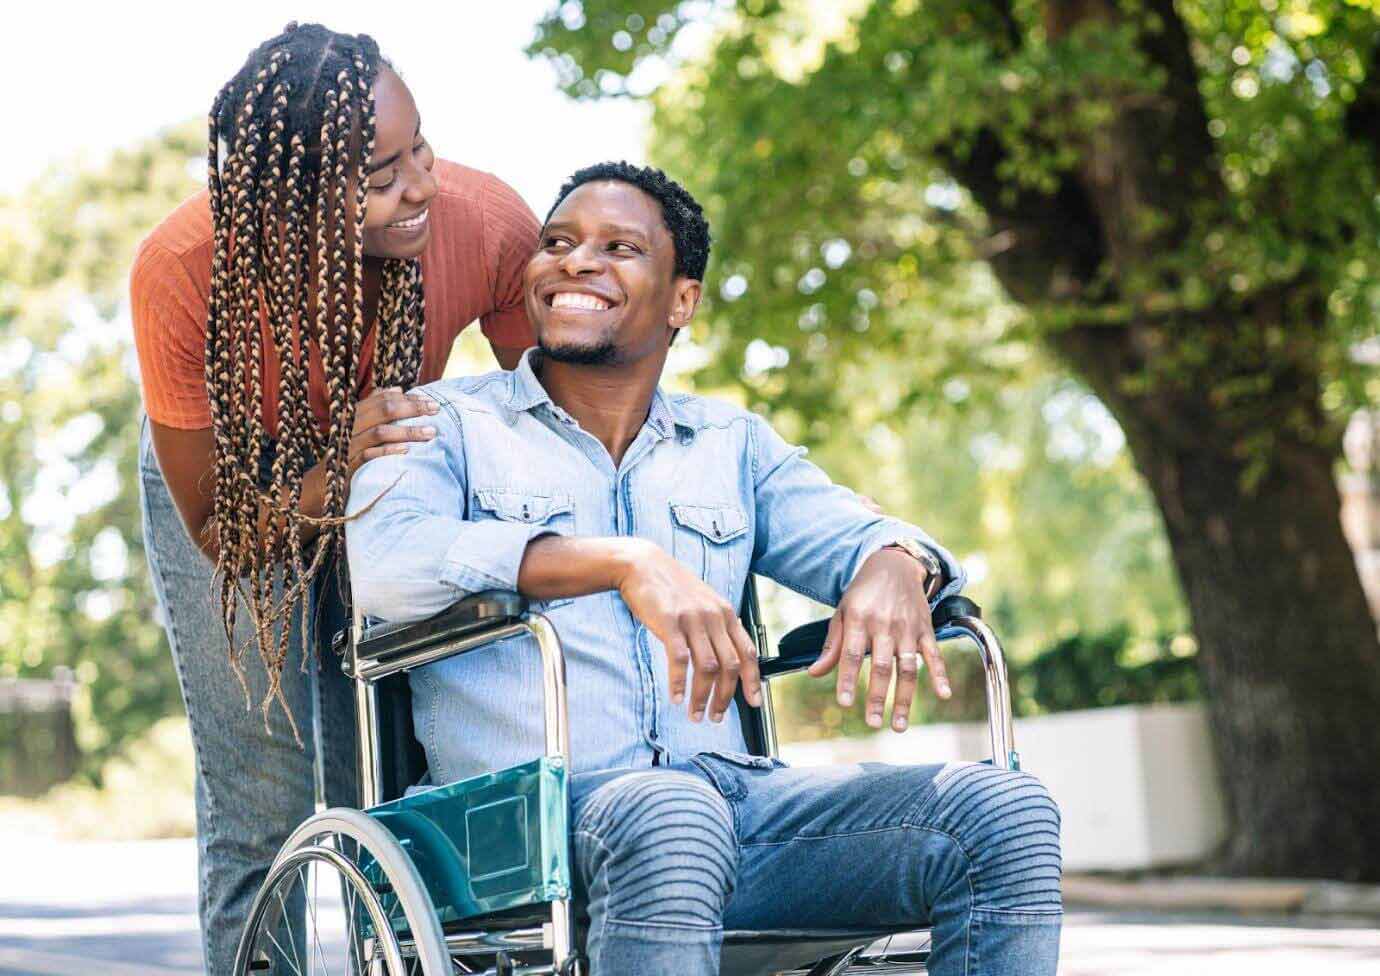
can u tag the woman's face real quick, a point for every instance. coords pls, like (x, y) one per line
(401, 186)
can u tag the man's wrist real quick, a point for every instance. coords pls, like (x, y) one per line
(932, 573)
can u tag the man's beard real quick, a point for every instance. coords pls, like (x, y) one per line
(602, 352)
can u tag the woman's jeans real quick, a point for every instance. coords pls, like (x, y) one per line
(254, 785)
(669, 858)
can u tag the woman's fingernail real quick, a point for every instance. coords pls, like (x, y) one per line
(677, 697)
(874, 719)
(899, 723)
(717, 717)
(432, 406)
(429, 431)
(697, 715)
(944, 689)
(845, 698)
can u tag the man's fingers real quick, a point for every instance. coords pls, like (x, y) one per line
(907, 675)
(829, 655)
(706, 672)
(883, 650)
(939, 678)
(853, 648)
(729, 668)
(749, 676)
(677, 667)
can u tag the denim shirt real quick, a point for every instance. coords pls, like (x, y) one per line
(707, 481)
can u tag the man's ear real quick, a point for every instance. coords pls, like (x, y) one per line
(686, 301)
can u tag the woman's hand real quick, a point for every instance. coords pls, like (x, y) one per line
(376, 433)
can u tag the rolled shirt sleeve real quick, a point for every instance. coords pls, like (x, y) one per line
(813, 535)
(412, 550)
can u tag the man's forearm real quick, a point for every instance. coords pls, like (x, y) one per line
(556, 567)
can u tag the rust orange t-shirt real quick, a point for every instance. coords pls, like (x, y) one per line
(481, 237)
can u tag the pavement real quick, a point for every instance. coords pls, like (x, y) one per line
(118, 909)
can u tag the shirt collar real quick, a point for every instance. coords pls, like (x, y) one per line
(527, 393)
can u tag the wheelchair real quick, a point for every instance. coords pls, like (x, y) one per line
(475, 876)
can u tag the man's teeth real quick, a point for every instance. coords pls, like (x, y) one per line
(416, 221)
(575, 299)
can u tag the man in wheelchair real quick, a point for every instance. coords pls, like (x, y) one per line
(632, 518)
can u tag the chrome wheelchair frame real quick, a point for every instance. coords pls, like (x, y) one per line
(394, 850)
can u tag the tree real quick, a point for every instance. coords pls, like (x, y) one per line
(1177, 200)
(74, 586)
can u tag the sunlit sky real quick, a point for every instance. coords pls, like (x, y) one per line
(88, 78)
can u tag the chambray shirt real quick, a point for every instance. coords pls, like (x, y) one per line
(707, 481)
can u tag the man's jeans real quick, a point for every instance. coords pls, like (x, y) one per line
(253, 785)
(669, 858)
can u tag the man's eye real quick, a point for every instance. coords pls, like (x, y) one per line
(624, 246)
(554, 242)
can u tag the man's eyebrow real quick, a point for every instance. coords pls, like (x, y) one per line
(382, 163)
(616, 230)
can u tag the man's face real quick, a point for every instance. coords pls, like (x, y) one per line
(602, 287)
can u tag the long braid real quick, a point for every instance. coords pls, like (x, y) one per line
(288, 135)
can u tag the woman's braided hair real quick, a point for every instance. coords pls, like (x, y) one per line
(291, 136)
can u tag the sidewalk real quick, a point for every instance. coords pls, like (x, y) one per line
(125, 908)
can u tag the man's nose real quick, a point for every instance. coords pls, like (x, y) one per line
(582, 259)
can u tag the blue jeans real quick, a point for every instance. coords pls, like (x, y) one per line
(668, 858)
(253, 785)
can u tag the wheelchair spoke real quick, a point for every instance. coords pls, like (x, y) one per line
(292, 939)
(315, 924)
(295, 969)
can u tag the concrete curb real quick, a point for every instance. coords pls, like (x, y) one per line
(1223, 894)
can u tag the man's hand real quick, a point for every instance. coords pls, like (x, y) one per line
(884, 609)
(697, 626)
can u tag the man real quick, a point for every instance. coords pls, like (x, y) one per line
(633, 517)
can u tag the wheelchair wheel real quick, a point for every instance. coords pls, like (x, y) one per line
(336, 896)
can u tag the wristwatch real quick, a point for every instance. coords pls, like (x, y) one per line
(934, 569)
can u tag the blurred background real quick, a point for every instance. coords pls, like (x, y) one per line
(1088, 290)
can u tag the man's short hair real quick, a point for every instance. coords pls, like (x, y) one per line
(681, 212)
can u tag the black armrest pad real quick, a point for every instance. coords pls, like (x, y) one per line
(475, 613)
(801, 647)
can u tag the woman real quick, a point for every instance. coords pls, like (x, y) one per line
(279, 317)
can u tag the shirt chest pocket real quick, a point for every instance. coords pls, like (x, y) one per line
(542, 512)
(712, 541)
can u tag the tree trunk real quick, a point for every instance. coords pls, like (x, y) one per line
(1288, 647)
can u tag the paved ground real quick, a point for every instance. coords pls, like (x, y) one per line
(122, 909)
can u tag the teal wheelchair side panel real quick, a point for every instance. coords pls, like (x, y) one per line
(486, 844)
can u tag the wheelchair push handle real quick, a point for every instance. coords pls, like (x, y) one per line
(954, 616)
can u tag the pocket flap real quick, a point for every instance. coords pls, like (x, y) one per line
(717, 523)
(520, 506)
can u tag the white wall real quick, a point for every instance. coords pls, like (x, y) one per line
(1136, 786)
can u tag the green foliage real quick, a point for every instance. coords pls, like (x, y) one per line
(830, 143)
(1090, 671)
(74, 586)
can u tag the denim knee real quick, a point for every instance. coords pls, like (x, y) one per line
(660, 848)
(1007, 824)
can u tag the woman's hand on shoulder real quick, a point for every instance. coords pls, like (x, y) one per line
(378, 431)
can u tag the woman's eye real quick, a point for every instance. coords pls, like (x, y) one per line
(623, 246)
(380, 187)
(419, 146)
(554, 242)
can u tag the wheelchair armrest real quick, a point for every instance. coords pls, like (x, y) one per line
(801, 647)
(471, 617)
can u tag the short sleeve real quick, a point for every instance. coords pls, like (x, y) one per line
(510, 238)
(169, 320)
